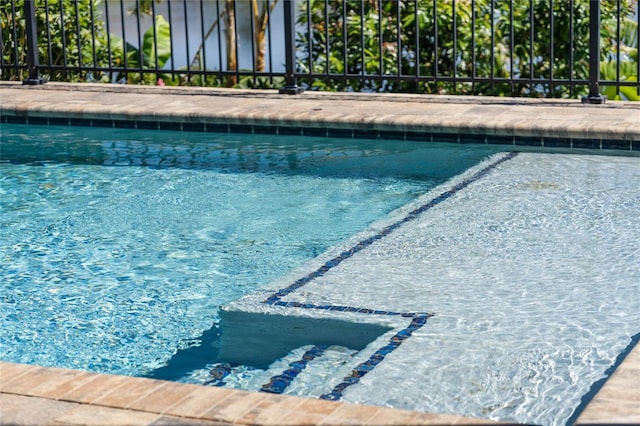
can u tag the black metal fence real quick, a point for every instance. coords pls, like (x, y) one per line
(536, 48)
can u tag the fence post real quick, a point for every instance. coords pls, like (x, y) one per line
(32, 44)
(594, 96)
(291, 87)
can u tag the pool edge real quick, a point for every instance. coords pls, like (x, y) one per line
(523, 123)
(75, 397)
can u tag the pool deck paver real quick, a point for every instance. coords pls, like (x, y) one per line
(491, 116)
(618, 402)
(26, 398)
(40, 395)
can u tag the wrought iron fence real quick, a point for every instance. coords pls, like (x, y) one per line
(562, 48)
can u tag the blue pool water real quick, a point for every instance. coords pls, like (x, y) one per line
(118, 247)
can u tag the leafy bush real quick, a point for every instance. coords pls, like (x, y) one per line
(70, 34)
(445, 42)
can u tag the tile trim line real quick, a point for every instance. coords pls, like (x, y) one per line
(418, 320)
(276, 297)
(331, 132)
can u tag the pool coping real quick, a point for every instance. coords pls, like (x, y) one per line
(31, 394)
(522, 123)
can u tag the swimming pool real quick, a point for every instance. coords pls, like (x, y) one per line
(482, 238)
(118, 247)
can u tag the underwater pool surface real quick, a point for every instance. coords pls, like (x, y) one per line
(119, 246)
(457, 279)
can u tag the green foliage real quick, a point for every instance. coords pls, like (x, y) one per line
(420, 46)
(155, 52)
(622, 62)
(249, 82)
(445, 42)
(70, 34)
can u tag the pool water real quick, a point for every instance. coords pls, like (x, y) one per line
(119, 246)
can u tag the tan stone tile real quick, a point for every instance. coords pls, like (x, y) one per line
(10, 372)
(390, 416)
(272, 410)
(62, 383)
(129, 391)
(90, 415)
(165, 420)
(94, 389)
(624, 387)
(28, 410)
(603, 410)
(161, 399)
(631, 362)
(352, 414)
(199, 401)
(319, 407)
(235, 406)
(34, 378)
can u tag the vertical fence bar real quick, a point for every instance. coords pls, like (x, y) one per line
(594, 96)
(48, 29)
(380, 38)
(473, 48)
(32, 45)
(327, 55)
(202, 56)
(219, 26)
(268, 6)
(291, 87)
(418, 58)
(125, 50)
(171, 47)
(638, 38)
(512, 50)
(186, 39)
(94, 53)
(110, 56)
(253, 27)
(14, 33)
(362, 59)
(78, 37)
(571, 42)
(454, 62)
(141, 63)
(435, 47)
(155, 42)
(552, 53)
(63, 34)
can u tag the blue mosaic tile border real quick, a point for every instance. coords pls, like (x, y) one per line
(218, 374)
(277, 296)
(278, 384)
(516, 141)
(375, 359)
(339, 308)
(418, 319)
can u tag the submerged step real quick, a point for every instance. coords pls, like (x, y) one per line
(311, 370)
(258, 339)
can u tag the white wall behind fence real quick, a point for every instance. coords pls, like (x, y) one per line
(188, 25)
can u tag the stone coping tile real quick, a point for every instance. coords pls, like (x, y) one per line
(199, 401)
(162, 398)
(94, 398)
(366, 112)
(90, 391)
(91, 415)
(28, 410)
(128, 392)
(618, 402)
(10, 372)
